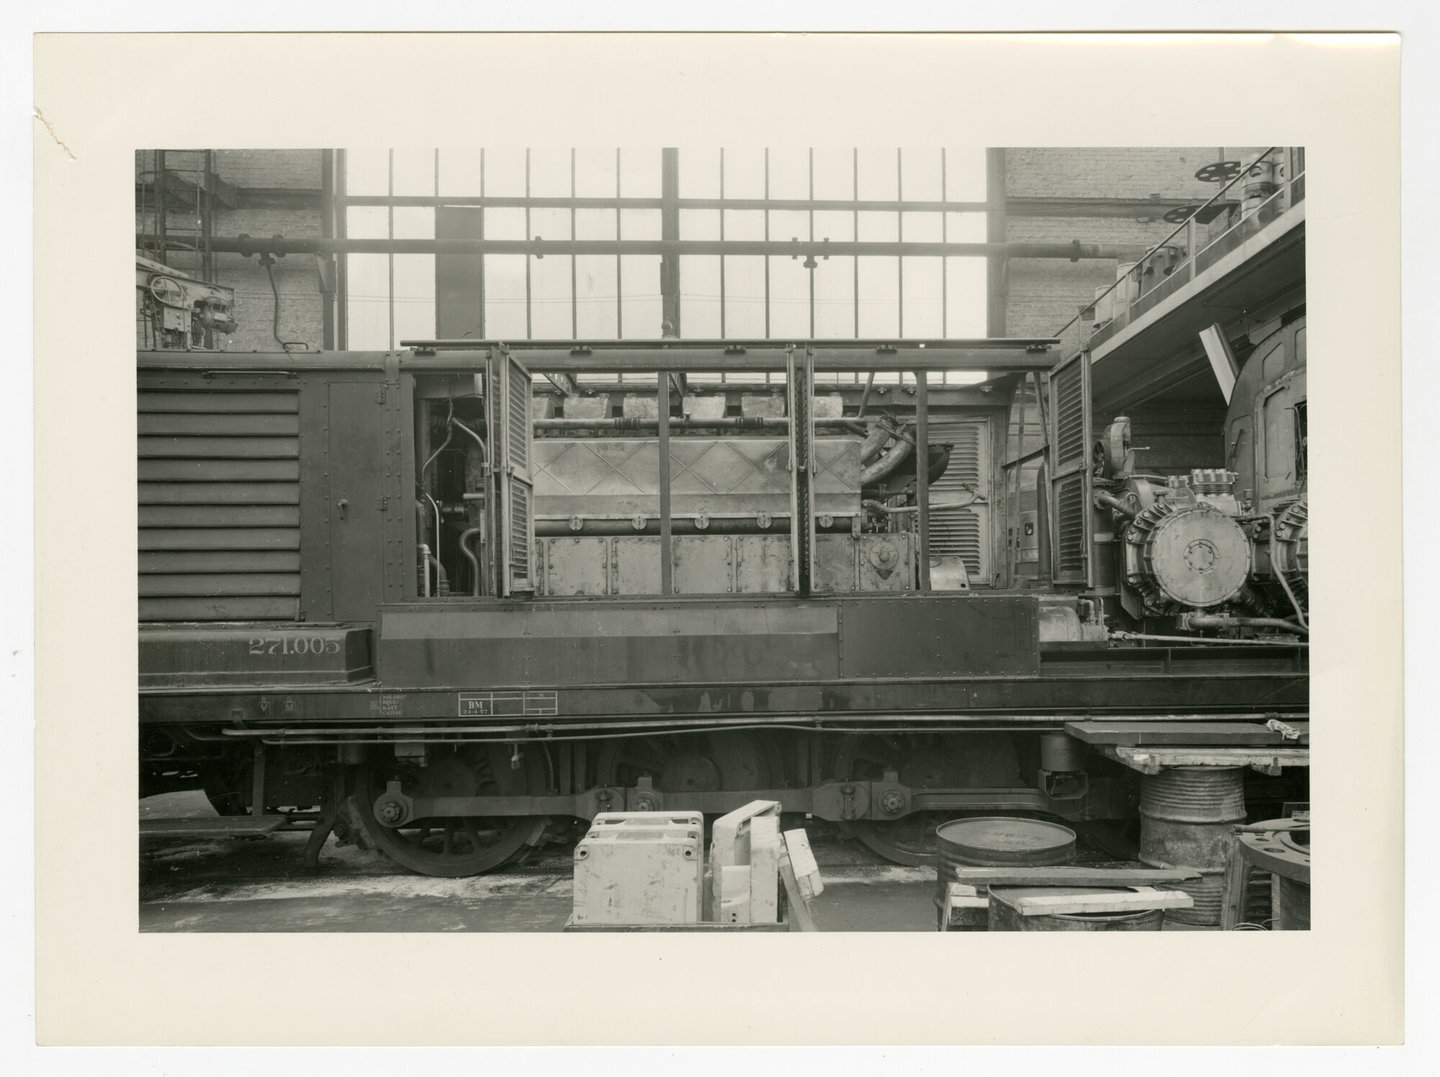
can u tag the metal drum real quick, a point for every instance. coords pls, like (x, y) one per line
(999, 841)
(1005, 917)
(1186, 815)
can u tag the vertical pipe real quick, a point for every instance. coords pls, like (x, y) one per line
(922, 474)
(662, 392)
(342, 262)
(669, 230)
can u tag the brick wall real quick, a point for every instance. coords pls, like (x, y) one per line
(296, 276)
(1044, 294)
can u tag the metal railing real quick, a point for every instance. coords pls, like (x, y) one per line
(1236, 224)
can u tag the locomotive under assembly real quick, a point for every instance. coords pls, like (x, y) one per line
(454, 596)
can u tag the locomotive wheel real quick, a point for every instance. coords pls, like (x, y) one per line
(697, 763)
(455, 846)
(921, 761)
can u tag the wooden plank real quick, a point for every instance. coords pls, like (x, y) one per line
(219, 609)
(220, 585)
(802, 861)
(201, 424)
(1128, 901)
(1152, 760)
(1160, 734)
(175, 562)
(156, 401)
(219, 516)
(238, 538)
(219, 493)
(238, 448)
(706, 925)
(219, 470)
(1071, 876)
(209, 826)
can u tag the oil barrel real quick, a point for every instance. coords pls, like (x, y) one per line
(1004, 916)
(1186, 815)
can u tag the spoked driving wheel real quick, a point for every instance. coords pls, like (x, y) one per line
(454, 846)
(922, 761)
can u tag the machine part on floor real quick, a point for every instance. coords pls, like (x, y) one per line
(745, 864)
(1186, 816)
(640, 868)
(1280, 847)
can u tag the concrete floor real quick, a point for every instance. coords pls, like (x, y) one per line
(261, 884)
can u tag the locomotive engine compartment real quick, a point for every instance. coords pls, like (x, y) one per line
(515, 607)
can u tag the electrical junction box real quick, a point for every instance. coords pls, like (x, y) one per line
(640, 868)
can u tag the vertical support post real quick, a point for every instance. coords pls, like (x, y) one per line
(667, 568)
(995, 264)
(670, 233)
(327, 231)
(922, 474)
(342, 261)
(162, 208)
(800, 382)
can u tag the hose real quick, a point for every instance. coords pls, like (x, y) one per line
(470, 556)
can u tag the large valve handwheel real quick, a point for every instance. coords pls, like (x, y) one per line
(1218, 171)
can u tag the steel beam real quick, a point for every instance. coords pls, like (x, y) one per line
(278, 245)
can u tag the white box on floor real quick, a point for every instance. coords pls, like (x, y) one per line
(640, 868)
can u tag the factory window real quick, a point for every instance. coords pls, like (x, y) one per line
(722, 201)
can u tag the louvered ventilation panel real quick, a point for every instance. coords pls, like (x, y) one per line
(520, 539)
(1070, 527)
(1067, 389)
(964, 532)
(219, 506)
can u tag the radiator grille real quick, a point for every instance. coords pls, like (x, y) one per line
(1067, 389)
(219, 506)
(518, 389)
(520, 532)
(1070, 527)
(962, 532)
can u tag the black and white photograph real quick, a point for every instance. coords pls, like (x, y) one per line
(601, 499)
(860, 539)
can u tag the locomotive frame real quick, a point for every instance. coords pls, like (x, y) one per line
(462, 729)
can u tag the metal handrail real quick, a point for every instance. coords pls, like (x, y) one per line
(1182, 226)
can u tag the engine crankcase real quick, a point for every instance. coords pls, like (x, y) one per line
(1188, 557)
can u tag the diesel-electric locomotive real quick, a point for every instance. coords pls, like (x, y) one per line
(459, 597)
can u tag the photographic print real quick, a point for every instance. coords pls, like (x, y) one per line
(934, 519)
(601, 499)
